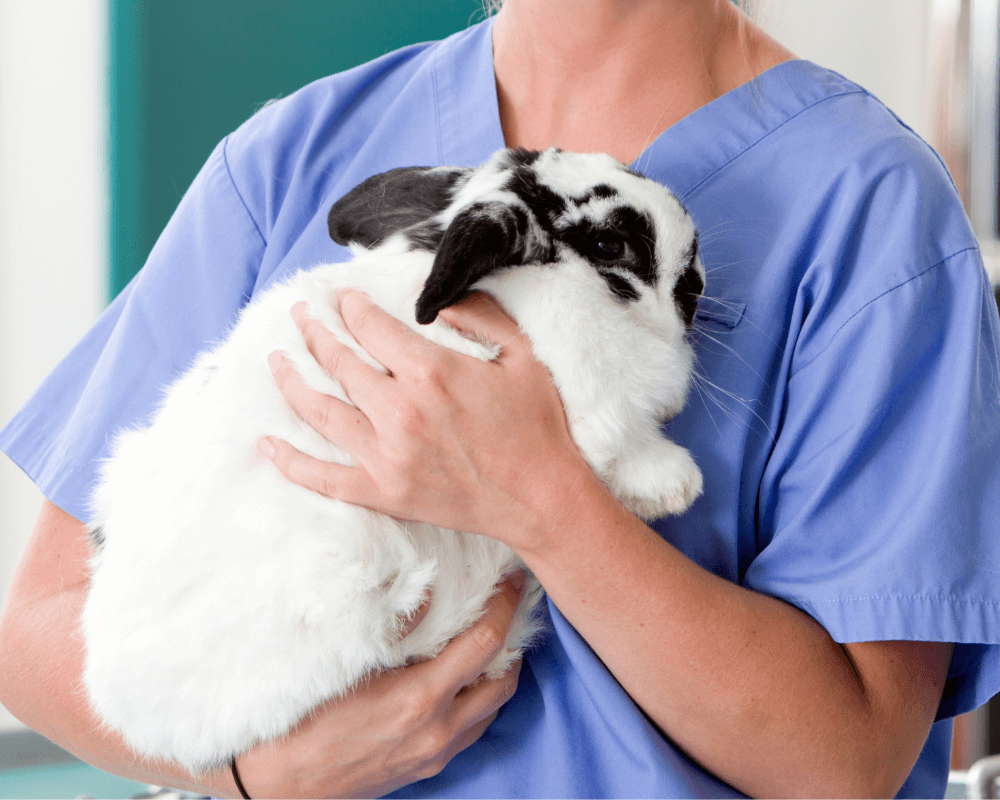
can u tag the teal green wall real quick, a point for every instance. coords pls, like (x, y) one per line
(184, 73)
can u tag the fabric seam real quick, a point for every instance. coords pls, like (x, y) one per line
(769, 132)
(875, 299)
(936, 598)
(232, 182)
(438, 127)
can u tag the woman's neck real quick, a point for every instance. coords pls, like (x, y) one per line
(611, 75)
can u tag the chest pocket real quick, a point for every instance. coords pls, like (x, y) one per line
(720, 311)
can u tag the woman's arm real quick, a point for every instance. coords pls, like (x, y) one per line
(752, 688)
(401, 726)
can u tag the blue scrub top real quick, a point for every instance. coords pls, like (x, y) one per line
(846, 413)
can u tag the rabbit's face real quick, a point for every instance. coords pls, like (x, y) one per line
(632, 230)
(534, 208)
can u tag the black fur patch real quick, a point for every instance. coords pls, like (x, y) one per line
(689, 286)
(482, 239)
(620, 287)
(523, 157)
(634, 229)
(543, 203)
(425, 237)
(96, 536)
(639, 230)
(389, 202)
(603, 191)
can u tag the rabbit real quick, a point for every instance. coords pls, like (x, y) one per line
(225, 602)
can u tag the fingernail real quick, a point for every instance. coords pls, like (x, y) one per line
(266, 446)
(299, 311)
(344, 291)
(274, 361)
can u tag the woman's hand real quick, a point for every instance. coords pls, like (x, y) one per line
(401, 726)
(443, 438)
(731, 676)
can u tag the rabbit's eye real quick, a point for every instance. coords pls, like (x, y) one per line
(609, 247)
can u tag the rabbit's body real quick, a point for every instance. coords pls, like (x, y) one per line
(227, 602)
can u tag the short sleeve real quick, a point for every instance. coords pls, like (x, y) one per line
(197, 278)
(255, 213)
(879, 505)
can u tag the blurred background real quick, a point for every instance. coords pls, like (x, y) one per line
(109, 107)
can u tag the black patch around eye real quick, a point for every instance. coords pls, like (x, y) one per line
(620, 287)
(637, 229)
(630, 227)
(608, 247)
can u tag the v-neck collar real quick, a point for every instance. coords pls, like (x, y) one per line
(687, 153)
(681, 157)
(465, 89)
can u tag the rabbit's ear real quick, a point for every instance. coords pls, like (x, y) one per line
(483, 238)
(389, 202)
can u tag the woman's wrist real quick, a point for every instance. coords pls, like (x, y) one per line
(266, 771)
(237, 780)
(564, 497)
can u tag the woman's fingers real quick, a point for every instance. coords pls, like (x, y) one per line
(486, 696)
(324, 477)
(457, 672)
(391, 343)
(361, 382)
(443, 438)
(479, 316)
(397, 727)
(417, 616)
(340, 422)
(487, 706)
(384, 337)
(323, 412)
(468, 655)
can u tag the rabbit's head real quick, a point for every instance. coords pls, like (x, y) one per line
(597, 264)
(531, 208)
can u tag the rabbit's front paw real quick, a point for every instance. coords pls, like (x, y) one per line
(657, 480)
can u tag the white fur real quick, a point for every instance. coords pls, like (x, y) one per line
(226, 602)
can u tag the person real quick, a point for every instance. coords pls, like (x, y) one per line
(813, 622)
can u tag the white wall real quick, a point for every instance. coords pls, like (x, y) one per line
(881, 44)
(53, 211)
(906, 53)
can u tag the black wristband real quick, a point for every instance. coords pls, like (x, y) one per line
(236, 777)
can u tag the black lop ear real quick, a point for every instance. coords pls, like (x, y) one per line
(389, 202)
(483, 238)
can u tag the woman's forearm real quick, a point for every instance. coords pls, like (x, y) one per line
(753, 689)
(750, 687)
(399, 727)
(41, 658)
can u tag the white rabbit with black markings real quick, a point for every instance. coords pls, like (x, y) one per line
(225, 602)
